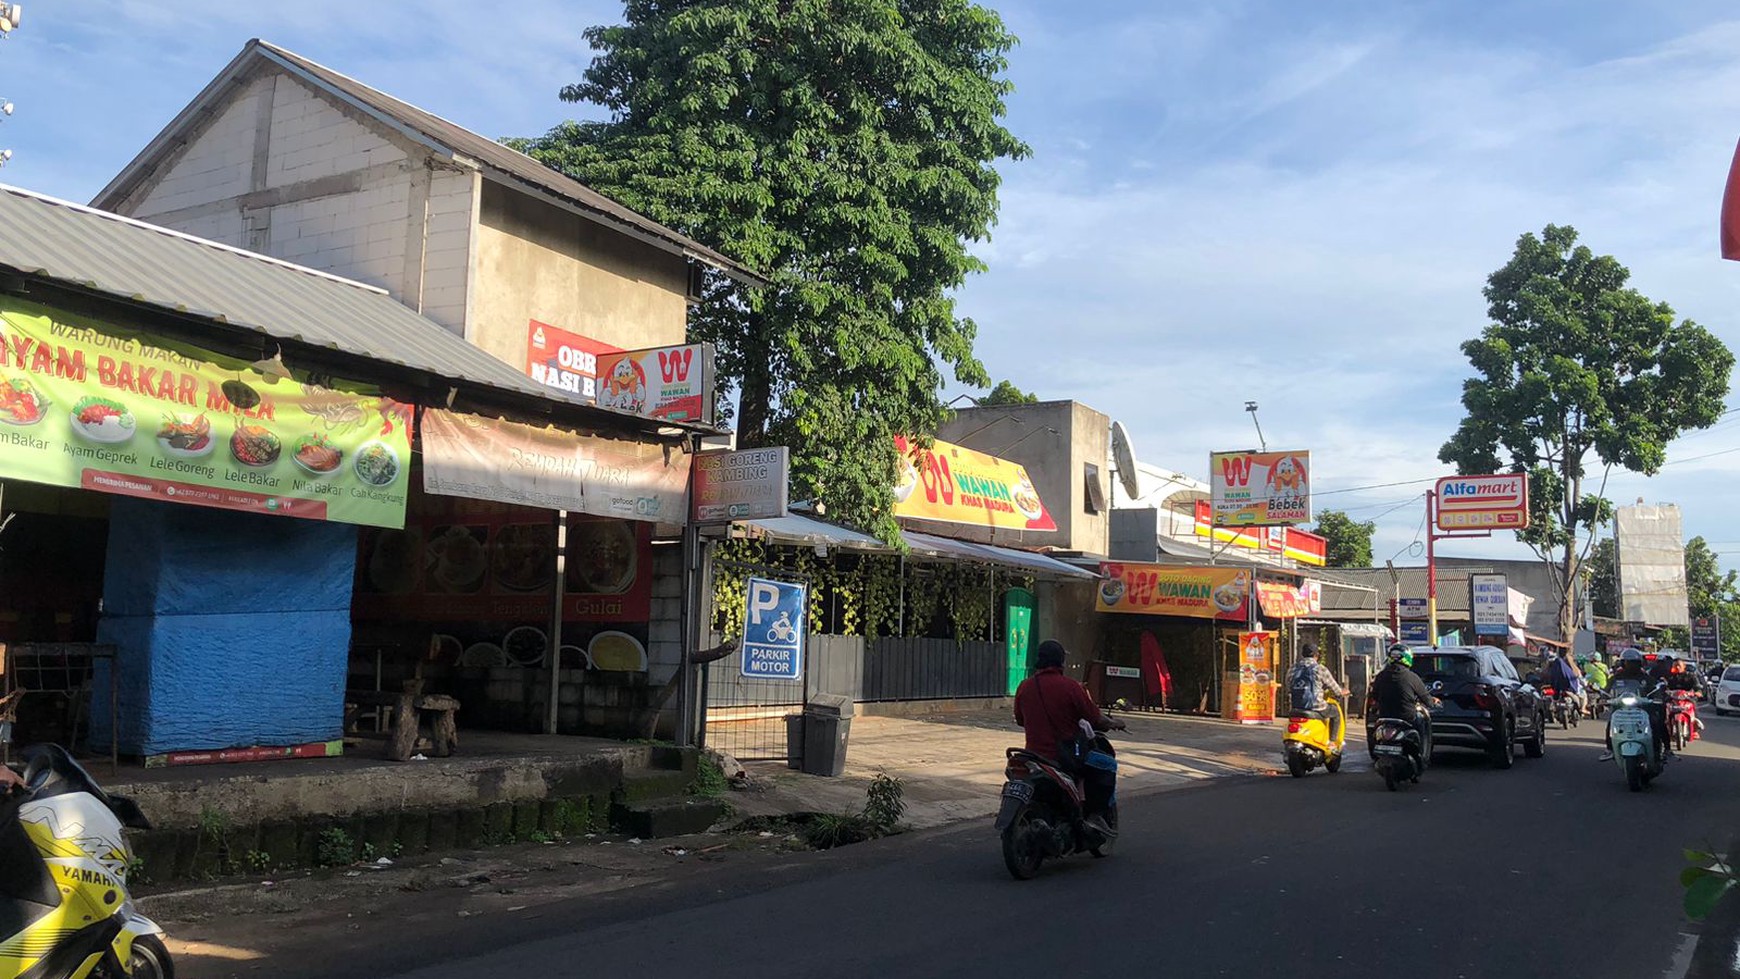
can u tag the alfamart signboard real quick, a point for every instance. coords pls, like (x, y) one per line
(1260, 489)
(1483, 502)
(94, 406)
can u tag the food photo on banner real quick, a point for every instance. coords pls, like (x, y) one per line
(93, 406)
(1260, 489)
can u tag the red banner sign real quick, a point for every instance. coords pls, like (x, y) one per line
(1290, 601)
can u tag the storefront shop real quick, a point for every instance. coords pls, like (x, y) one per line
(1179, 637)
(191, 438)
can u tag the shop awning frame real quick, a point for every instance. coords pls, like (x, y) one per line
(801, 530)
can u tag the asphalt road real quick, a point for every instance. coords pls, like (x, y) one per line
(1472, 873)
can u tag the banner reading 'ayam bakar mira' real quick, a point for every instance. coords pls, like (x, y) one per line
(958, 485)
(100, 407)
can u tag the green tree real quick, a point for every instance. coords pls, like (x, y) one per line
(842, 148)
(1006, 393)
(1576, 370)
(1349, 541)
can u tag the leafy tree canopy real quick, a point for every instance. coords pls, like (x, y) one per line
(1006, 393)
(842, 148)
(1349, 540)
(1575, 371)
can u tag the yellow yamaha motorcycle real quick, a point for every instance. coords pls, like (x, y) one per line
(64, 908)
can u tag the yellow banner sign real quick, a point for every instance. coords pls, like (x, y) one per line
(105, 408)
(1154, 589)
(958, 485)
(1256, 677)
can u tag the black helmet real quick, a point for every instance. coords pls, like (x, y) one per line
(1050, 653)
(1631, 656)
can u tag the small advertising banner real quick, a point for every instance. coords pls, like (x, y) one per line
(1411, 608)
(749, 484)
(773, 630)
(1417, 633)
(1256, 677)
(99, 407)
(958, 485)
(671, 383)
(490, 459)
(1489, 600)
(564, 362)
(1483, 502)
(1260, 489)
(1290, 601)
(1153, 589)
(1707, 637)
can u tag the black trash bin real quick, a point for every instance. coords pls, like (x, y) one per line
(827, 723)
(794, 741)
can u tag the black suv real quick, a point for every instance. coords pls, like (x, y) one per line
(1486, 706)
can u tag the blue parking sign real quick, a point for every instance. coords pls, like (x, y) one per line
(773, 630)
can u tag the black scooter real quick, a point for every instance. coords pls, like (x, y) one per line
(1397, 752)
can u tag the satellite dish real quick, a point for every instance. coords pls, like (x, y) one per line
(1125, 456)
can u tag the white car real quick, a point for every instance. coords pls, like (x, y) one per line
(1728, 692)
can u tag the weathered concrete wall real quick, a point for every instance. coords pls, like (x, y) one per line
(538, 262)
(284, 170)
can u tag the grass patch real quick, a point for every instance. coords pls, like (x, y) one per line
(709, 778)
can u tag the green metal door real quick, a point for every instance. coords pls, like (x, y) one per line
(1018, 632)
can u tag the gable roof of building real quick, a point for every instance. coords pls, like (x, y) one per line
(447, 138)
(98, 253)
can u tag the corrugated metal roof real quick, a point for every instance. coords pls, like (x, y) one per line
(143, 263)
(453, 139)
(797, 529)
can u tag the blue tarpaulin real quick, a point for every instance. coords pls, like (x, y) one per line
(232, 629)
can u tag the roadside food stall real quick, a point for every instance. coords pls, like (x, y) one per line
(191, 436)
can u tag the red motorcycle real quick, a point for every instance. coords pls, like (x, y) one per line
(1042, 811)
(1682, 709)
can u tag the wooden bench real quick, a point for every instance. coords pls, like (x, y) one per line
(420, 722)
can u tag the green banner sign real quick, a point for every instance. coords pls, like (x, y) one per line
(104, 408)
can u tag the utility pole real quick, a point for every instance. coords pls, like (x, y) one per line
(1251, 406)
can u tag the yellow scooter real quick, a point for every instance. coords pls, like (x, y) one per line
(1307, 744)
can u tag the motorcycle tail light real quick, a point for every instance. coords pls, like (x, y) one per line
(1295, 725)
(1015, 771)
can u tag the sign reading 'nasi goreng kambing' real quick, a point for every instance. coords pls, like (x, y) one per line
(105, 408)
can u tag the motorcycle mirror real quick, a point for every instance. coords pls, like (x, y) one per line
(128, 812)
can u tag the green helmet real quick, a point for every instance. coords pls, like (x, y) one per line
(1402, 654)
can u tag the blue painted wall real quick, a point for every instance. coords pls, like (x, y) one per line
(232, 629)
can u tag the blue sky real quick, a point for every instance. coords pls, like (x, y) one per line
(1290, 203)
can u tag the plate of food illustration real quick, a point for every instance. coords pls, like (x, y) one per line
(186, 436)
(1026, 500)
(1112, 591)
(315, 454)
(103, 420)
(255, 445)
(21, 403)
(377, 463)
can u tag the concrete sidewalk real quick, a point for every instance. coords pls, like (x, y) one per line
(952, 764)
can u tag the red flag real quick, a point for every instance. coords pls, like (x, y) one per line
(1731, 211)
(1154, 671)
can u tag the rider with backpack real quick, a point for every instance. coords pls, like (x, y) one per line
(1305, 686)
